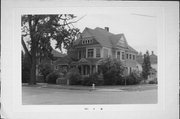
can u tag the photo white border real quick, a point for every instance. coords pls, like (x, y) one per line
(11, 62)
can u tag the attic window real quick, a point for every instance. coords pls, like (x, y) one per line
(87, 41)
(91, 41)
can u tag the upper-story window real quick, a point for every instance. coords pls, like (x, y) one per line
(105, 53)
(91, 41)
(51, 62)
(126, 56)
(118, 55)
(56, 67)
(129, 56)
(123, 56)
(83, 53)
(133, 57)
(98, 53)
(90, 53)
(80, 54)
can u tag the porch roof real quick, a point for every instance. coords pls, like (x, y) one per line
(86, 61)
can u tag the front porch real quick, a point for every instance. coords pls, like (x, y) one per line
(88, 66)
(88, 69)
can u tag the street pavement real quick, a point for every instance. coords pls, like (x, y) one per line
(58, 95)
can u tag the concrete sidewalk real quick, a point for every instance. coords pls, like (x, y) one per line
(97, 88)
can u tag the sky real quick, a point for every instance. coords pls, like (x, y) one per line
(139, 25)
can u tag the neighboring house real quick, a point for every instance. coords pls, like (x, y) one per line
(153, 60)
(56, 55)
(95, 44)
(153, 71)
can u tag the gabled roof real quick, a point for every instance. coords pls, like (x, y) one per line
(101, 36)
(55, 53)
(131, 49)
(105, 38)
(63, 60)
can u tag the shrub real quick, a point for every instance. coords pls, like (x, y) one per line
(153, 81)
(110, 77)
(45, 69)
(51, 78)
(133, 78)
(87, 81)
(120, 81)
(112, 70)
(74, 76)
(93, 78)
(61, 80)
(40, 79)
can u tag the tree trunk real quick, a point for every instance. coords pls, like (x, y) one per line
(33, 51)
(33, 72)
(33, 60)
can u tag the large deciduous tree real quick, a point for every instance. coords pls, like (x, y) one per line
(146, 66)
(39, 30)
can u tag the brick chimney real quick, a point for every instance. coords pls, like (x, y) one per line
(152, 52)
(106, 28)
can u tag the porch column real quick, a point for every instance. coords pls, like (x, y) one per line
(90, 72)
(82, 69)
(85, 70)
(96, 68)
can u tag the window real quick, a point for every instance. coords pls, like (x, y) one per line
(118, 55)
(91, 41)
(83, 53)
(105, 53)
(56, 67)
(129, 56)
(133, 57)
(98, 54)
(90, 52)
(51, 61)
(82, 41)
(88, 41)
(79, 54)
(130, 70)
(126, 56)
(122, 55)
